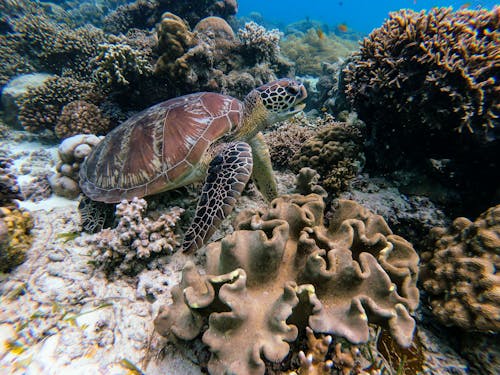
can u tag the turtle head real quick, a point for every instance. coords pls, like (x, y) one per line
(281, 99)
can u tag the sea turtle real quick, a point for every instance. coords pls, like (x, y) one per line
(185, 139)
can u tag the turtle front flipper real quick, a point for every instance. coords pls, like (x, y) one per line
(227, 175)
(263, 175)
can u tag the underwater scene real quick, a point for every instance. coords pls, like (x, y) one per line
(249, 187)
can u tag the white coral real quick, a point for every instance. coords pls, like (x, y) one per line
(256, 38)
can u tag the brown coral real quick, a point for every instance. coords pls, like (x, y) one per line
(335, 152)
(282, 269)
(81, 117)
(286, 141)
(460, 272)
(41, 106)
(15, 237)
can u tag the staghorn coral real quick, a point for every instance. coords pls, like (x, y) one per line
(15, 238)
(258, 43)
(80, 117)
(309, 51)
(335, 152)
(119, 65)
(72, 151)
(9, 189)
(41, 106)
(12, 60)
(136, 240)
(282, 270)
(459, 272)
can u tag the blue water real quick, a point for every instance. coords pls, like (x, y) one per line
(360, 15)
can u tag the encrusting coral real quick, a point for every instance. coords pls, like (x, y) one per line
(127, 248)
(81, 117)
(282, 270)
(460, 275)
(335, 152)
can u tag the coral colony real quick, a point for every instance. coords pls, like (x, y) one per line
(363, 173)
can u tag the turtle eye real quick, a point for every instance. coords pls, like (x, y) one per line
(292, 90)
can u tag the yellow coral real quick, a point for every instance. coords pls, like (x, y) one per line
(15, 238)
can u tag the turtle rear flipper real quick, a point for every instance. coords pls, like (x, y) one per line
(94, 215)
(227, 175)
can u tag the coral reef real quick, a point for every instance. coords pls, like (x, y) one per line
(136, 240)
(428, 80)
(210, 58)
(335, 152)
(286, 141)
(72, 151)
(141, 14)
(282, 270)
(310, 50)
(41, 106)
(118, 65)
(196, 10)
(15, 238)
(81, 117)
(459, 272)
(9, 189)
(258, 43)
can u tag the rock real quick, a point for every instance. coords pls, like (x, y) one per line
(64, 186)
(14, 90)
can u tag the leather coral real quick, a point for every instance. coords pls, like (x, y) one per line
(281, 270)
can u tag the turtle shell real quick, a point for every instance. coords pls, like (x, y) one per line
(159, 148)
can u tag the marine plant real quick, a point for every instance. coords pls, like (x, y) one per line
(282, 270)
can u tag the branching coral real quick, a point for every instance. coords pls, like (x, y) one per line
(286, 141)
(142, 14)
(81, 117)
(259, 43)
(282, 269)
(311, 50)
(443, 61)
(41, 106)
(117, 65)
(335, 152)
(136, 239)
(426, 84)
(15, 238)
(460, 272)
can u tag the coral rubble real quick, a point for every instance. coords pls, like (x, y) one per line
(459, 272)
(281, 270)
(136, 240)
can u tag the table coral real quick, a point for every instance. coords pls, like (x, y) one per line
(281, 270)
(335, 152)
(460, 272)
(15, 238)
(136, 240)
(81, 117)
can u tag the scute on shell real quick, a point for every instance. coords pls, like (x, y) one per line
(155, 149)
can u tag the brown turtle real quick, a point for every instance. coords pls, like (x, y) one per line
(183, 140)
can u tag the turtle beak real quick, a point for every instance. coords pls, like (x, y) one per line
(299, 105)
